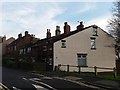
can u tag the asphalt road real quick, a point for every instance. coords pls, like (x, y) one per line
(25, 80)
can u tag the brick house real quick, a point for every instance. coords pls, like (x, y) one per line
(89, 46)
(4, 42)
(15, 49)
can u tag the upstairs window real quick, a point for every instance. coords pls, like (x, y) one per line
(21, 51)
(93, 43)
(63, 43)
(44, 48)
(95, 33)
(50, 61)
(15, 48)
(24, 50)
(28, 50)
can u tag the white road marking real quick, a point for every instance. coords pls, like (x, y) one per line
(39, 87)
(43, 84)
(47, 78)
(24, 78)
(38, 74)
(34, 79)
(14, 88)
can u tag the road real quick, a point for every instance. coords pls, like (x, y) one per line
(25, 80)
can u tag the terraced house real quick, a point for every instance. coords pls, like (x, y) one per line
(86, 46)
(17, 51)
(89, 46)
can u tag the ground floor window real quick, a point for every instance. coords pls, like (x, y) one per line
(82, 59)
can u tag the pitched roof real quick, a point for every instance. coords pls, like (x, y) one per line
(62, 36)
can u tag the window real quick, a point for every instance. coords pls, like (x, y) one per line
(15, 48)
(24, 50)
(63, 43)
(28, 50)
(50, 48)
(50, 61)
(82, 59)
(93, 43)
(21, 51)
(44, 59)
(95, 30)
(44, 48)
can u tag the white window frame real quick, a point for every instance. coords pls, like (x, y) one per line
(29, 50)
(21, 51)
(93, 43)
(82, 60)
(63, 42)
(15, 47)
(50, 61)
(95, 33)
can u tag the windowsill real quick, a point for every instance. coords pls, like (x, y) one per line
(93, 48)
(82, 66)
(95, 35)
(63, 46)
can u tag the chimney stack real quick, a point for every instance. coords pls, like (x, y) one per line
(19, 35)
(4, 38)
(48, 33)
(81, 26)
(26, 33)
(57, 32)
(66, 28)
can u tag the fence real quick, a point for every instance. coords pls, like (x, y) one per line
(95, 69)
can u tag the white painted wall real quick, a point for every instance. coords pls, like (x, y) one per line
(103, 56)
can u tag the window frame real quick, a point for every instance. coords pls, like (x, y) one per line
(44, 48)
(63, 43)
(81, 56)
(93, 43)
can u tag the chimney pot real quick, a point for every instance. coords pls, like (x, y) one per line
(4, 38)
(48, 33)
(57, 31)
(19, 35)
(26, 33)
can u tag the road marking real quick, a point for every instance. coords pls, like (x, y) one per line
(38, 74)
(14, 88)
(24, 78)
(47, 78)
(39, 87)
(35, 79)
(43, 84)
(3, 87)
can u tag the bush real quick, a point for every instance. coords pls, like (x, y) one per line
(25, 65)
(39, 66)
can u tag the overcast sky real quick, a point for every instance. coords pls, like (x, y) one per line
(37, 16)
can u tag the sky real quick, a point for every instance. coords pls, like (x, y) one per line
(37, 16)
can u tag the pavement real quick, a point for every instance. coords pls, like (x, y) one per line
(92, 81)
(98, 82)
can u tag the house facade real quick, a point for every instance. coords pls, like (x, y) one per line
(4, 42)
(20, 48)
(87, 47)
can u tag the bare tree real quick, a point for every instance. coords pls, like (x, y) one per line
(114, 23)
